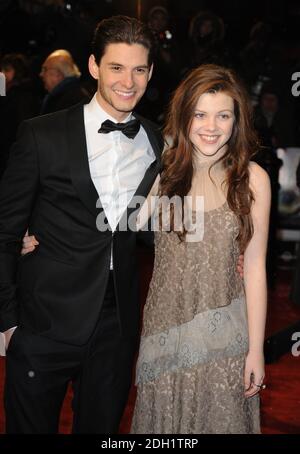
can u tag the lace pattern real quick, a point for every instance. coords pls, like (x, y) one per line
(190, 370)
(210, 335)
(205, 399)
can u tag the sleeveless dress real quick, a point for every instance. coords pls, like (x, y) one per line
(190, 369)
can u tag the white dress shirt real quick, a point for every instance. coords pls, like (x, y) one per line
(117, 166)
(117, 163)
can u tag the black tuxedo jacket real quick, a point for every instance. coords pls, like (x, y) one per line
(58, 289)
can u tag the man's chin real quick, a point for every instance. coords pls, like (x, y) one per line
(125, 106)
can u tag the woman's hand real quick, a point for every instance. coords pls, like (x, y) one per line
(254, 373)
(29, 244)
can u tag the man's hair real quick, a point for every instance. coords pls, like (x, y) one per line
(122, 29)
(63, 61)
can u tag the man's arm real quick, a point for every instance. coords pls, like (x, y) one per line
(18, 189)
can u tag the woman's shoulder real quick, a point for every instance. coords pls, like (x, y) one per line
(258, 177)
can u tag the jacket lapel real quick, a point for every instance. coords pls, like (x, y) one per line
(150, 174)
(155, 139)
(80, 170)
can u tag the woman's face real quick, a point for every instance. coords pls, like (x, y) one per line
(212, 124)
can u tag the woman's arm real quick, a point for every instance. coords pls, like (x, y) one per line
(148, 207)
(255, 278)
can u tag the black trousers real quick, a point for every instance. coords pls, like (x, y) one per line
(39, 369)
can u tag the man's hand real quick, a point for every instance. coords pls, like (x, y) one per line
(240, 266)
(29, 244)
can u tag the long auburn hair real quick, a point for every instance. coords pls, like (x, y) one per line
(177, 160)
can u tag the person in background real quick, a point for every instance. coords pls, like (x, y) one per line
(20, 102)
(61, 79)
(206, 41)
(168, 63)
(272, 120)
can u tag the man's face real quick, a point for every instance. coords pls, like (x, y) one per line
(123, 75)
(50, 75)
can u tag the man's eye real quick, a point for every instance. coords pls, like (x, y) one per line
(116, 68)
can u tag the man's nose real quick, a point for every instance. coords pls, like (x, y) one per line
(127, 80)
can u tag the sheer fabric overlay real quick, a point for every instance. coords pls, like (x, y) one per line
(190, 369)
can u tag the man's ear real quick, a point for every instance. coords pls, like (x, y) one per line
(93, 67)
(150, 72)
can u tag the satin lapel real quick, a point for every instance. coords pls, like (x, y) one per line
(150, 174)
(152, 171)
(157, 147)
(154, 168)
(79, 160)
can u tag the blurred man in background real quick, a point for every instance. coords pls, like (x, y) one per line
(61, 78)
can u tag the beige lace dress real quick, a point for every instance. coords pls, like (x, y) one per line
(190, 369)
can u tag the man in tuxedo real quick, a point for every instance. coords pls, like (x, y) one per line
(74, 299)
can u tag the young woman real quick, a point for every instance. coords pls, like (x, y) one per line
(201, 364)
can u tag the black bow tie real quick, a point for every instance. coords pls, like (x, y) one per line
(130, 129)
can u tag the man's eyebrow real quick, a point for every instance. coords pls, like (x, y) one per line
(120, 64)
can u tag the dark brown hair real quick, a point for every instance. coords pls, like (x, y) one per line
(20, 64)
(121, 29)
(176, 178)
